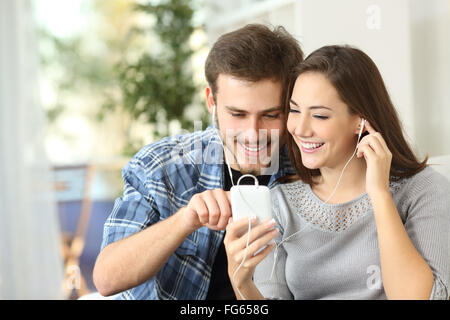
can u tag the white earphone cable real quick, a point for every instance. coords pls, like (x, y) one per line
(332, 194)
(354, 152)
(232, 183)
(243, 260)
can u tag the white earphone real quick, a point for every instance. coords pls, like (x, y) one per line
(213, 120)
(213, 116)
(362, 128)
(356, 148)
(331, 195)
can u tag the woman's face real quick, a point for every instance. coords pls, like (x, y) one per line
(320, 123)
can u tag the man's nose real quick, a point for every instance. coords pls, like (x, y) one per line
(251, 132)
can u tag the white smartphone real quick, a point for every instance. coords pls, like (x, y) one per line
(251, 200)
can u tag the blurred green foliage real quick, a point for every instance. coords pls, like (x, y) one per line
(160, 87)
(141, 69)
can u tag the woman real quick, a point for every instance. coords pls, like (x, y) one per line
(362, 221)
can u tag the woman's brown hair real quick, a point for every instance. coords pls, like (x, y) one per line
(359, 84)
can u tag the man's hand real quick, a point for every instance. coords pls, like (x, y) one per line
(211, 208)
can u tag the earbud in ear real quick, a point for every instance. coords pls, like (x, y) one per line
(362, 128)
(213, 116)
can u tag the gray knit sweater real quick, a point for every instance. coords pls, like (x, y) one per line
(336, 255)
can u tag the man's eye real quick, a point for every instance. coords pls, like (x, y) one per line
(237, 114)
(272, 116)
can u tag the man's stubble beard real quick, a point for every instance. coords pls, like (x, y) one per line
(230, 144)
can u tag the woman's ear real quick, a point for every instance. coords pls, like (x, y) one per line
(360, 129)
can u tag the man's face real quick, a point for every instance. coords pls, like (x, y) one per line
(250, 120)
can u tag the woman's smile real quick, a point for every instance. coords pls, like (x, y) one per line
(310, 147)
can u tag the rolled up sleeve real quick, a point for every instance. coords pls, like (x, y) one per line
(134, 211)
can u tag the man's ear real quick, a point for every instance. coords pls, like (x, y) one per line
(209, 100)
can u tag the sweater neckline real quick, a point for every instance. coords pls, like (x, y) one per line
(328, 217)
(333, 217)
(333, 205)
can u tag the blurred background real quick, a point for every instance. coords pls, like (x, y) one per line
(84, 84)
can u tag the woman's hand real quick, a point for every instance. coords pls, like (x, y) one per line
(235, 245)
(378, 159)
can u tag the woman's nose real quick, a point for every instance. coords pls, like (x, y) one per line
(302, 127)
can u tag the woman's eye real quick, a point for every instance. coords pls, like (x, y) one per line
(320, 117)
(293, 110)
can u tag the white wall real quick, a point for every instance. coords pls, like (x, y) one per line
(225, 16)
(379, 28)
(407, 39)
(430, 51)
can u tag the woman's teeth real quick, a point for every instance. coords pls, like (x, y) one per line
(311, 146)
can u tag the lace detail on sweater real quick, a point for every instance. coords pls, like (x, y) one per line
(329, 217)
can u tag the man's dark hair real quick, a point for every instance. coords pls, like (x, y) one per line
(253, 53)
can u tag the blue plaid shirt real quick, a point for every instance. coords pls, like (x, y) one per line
(159, 180)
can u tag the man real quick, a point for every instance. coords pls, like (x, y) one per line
(164, 237)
